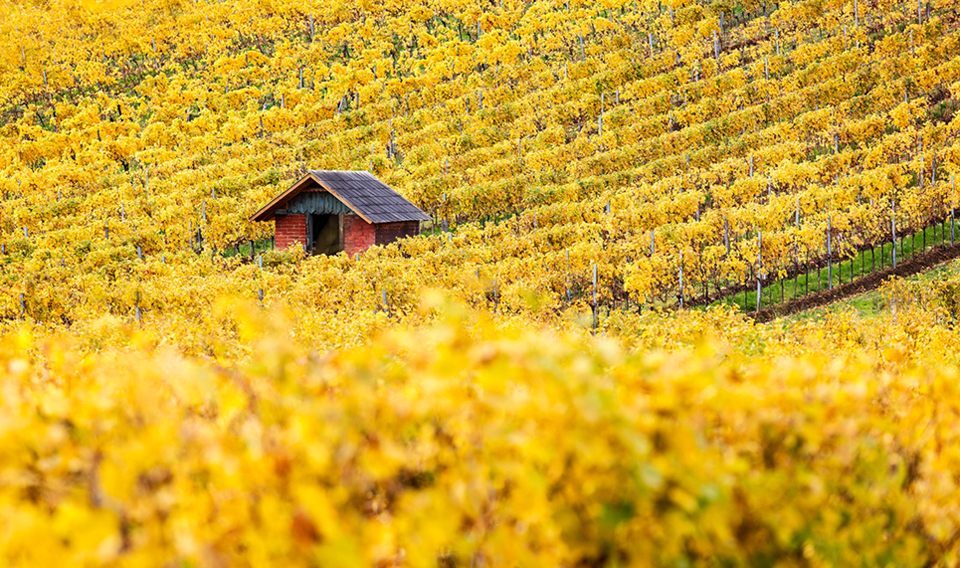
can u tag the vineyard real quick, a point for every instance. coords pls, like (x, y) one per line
(686, 152)
(558, 369)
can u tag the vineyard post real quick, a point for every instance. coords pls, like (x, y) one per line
(856, 13)
(136, 307)
(567, 276)
(726, 238)
(260, 261)
(681, 279)
(260, 295)
(829, 258)
(922, 168)
(893, 232)
(386, 308)
(759, 263)
(23, 307)
(596, 315)
(796, 252)
(140, 254)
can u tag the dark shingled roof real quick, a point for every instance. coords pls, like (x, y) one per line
(361, 191)
(369, 197)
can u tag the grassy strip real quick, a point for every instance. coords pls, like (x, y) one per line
(869, 304)
(851, 268)
(244, 249)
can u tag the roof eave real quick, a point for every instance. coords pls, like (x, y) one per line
(266, 213)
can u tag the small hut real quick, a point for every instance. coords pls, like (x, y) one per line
(331, 211)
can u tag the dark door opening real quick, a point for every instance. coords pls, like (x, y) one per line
(325, 234)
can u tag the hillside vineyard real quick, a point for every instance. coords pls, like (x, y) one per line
(531, 380)
(645, 139)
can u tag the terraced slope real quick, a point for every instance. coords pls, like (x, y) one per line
(654, 142)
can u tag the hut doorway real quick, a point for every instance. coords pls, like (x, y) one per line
(325, 233)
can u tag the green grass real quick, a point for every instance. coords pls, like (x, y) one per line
(867, 306)
(850, 268)
(244, 249)
(870, 304)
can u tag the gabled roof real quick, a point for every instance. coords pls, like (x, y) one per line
(362, 192)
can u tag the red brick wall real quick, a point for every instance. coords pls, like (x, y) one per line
(389, 232)
(358, 235)
(291, 231)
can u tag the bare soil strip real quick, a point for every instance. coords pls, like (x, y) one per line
(920, 263)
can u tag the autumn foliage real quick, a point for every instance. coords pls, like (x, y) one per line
(470, 441)
(470, 397)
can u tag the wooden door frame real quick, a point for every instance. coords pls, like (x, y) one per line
(309, 236)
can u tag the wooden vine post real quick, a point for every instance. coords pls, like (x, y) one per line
(681, 279)
(759, 265)
(829, 258)
(596, 314)
(893, 231)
